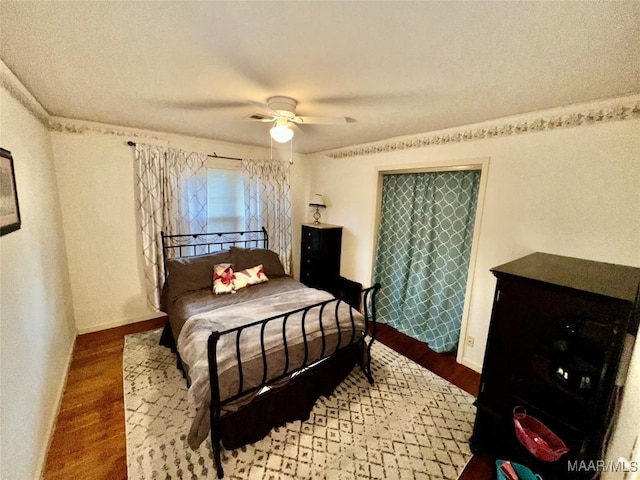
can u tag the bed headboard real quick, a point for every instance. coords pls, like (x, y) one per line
(192, 244)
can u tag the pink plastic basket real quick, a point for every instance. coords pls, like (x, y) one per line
(536, 437)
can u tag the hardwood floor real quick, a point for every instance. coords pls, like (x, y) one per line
(442, 364)
(89, 437)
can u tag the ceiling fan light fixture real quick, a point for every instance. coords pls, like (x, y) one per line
(281, 132)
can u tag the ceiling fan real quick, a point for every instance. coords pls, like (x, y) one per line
(282, 112)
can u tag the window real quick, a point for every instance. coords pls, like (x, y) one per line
(225, 202)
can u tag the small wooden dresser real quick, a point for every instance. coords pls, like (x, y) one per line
(320, 254)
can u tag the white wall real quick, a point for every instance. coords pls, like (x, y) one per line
(570, 192)
(36, 318)
(96, 177)
(628, 424)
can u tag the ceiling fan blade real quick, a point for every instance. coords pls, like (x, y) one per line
(363, 99)
(295, 128)
(259, 117)
(264, 107)
(199, 105)
(320, 120)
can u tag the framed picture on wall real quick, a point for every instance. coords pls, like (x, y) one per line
(9, 209)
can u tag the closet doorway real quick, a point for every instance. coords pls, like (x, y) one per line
(426, 230)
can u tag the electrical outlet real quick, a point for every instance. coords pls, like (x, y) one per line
(470, 341)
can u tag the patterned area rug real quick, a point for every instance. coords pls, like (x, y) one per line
(409, 424)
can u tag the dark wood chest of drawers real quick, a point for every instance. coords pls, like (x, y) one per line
(320, 254)
(555, 347)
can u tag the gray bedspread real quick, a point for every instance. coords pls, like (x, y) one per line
(204, 300)
(194, 335)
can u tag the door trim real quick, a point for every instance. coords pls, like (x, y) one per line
(482, 164)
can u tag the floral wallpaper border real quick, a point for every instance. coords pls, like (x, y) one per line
(59, 124)
(626, 109)
(18, 91)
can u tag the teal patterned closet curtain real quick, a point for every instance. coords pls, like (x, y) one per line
(422, 257)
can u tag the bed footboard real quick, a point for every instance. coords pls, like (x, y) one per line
(314, 377)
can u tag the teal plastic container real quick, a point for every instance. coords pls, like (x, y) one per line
(523, 472)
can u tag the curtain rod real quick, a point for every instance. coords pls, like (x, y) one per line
(215, 155)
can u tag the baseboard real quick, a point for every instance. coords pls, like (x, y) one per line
(119, 323)
(472, 365)
(54, 421)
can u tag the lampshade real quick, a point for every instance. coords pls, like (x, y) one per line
(281, 132)
(317, 201)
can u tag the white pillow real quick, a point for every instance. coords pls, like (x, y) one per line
(249, 276)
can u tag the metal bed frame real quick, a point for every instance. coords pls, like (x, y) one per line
(202, 243)
(318, 378)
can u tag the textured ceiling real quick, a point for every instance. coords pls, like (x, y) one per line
(395, 67)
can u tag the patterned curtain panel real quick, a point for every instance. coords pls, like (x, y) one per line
(422, 257)
(186, 191)
(172, 197)
(267, 196)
